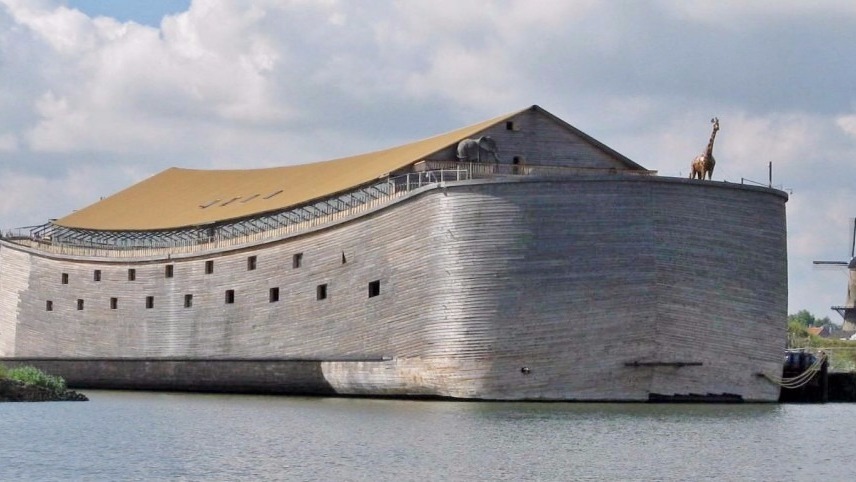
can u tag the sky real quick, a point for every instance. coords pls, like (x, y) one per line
(96, 95)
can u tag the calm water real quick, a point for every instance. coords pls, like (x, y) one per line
(160, 436)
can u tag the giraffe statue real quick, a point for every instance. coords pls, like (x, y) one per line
(704, 163)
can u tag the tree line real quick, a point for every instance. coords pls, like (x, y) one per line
(806, 319)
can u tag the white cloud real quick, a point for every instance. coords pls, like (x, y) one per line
(65, 30)
(8, 142)
(847, 123)
(135, 81)
(730, 11)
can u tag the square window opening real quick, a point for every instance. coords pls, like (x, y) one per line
(114, 303)
(374, 288)
(230, 297)
(168, 271)
(132, 274)
(251, 263)
(150, 302)
(274, 295)
(297, 260)
(321, 292)
(209, 267)
(188, 301)
(79, 304)
(48, 305)
(65, 278)
(96, 275)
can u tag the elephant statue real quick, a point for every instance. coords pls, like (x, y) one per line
(482, 149)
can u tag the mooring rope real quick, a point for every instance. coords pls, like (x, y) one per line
(801, 379)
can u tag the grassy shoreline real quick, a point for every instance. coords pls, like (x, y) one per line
(29, 384)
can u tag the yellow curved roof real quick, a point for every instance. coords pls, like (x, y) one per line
(178, 198)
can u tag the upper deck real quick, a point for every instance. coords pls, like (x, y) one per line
(266, 227)
(189, 211)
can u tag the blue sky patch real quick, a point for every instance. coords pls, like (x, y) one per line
(147, 12)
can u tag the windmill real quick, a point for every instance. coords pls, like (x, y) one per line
(848, 311)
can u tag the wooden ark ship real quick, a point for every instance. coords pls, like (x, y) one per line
(515, 259)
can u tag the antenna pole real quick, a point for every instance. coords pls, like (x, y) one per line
(770, 173)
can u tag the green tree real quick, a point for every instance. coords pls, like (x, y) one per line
(804, 318)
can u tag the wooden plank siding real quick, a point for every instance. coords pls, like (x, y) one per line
(539, 139)
(518, 288)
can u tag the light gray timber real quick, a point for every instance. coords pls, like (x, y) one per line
(573, 279)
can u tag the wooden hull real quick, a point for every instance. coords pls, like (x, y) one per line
(597, 288)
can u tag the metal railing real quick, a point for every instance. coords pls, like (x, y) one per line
(487, 170)
(57, 239)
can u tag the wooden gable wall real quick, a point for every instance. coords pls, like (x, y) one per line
(539, 139)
